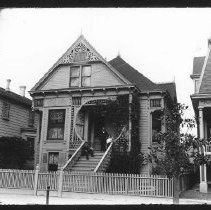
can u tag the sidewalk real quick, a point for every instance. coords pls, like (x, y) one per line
(25, 197)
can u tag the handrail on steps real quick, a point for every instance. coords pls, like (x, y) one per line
(103, 158)
(108, 150)
(73, 156)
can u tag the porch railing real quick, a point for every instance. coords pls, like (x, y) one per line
(105, 160)
(76, 155)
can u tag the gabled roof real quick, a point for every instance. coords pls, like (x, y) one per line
(142, 82)
(171, 88)
(198, 64)
(15, 97)
(67, 58)
(205, 78)
(135, 77)
(118, 66)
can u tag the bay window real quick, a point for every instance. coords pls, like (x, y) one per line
(56, 122)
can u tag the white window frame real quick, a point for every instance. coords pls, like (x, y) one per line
(80, 75)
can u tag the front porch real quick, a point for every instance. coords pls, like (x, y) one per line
(95, 121)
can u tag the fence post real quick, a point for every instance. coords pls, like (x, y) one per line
(36, 179)
(47, 195)
(176, 189)
(60, 182)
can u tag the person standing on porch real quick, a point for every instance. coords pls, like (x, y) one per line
(103, 136)
(108, 141)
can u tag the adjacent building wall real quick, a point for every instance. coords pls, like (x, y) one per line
(18, 118)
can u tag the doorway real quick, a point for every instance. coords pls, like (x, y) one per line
(96, 122)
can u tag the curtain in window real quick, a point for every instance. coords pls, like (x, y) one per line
(56, 124)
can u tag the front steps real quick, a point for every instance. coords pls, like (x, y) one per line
(84, 165)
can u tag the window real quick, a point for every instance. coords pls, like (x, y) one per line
(156, 125)
(31, 119)
(38, 102)
(53, 160)
(155, 103)
(30, 142)
(74, 76)
(80, 76)
(56, 121)
(5, 111)
(196, 85)
(86, 76)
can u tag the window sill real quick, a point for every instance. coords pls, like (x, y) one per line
(55, 141)
(6, 119)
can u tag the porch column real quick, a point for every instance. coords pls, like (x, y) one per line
(92, 132)
(203, 168)
(201, 123)
(86, 126)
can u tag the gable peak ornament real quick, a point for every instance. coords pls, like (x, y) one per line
(80, 53)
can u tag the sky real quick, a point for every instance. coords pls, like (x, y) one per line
(158, 42)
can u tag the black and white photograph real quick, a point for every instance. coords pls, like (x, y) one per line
(105, 106)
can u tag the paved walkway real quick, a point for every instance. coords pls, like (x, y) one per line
(24, 197)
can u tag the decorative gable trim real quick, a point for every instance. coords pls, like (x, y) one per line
(80, 53)
(80, 49)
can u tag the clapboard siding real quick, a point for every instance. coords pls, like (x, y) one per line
(144, 130)
(59, 79)
(18, 119)
(101, 76)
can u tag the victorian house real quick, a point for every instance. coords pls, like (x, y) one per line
(17, 118)
(201, 100)
(83, 93)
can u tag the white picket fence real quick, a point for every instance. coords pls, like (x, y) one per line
(129, 184)
(18, 179)
(106, 183)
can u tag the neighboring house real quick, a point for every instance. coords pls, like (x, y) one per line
(17, 118)
(67, 96)
(201, 100)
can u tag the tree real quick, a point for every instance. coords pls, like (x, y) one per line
(175, 153)
(13, 152)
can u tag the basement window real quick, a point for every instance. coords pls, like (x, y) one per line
(53, 160)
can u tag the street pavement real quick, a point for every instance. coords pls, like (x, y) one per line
(26, 197)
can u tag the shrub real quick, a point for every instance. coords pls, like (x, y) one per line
(13, 152)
